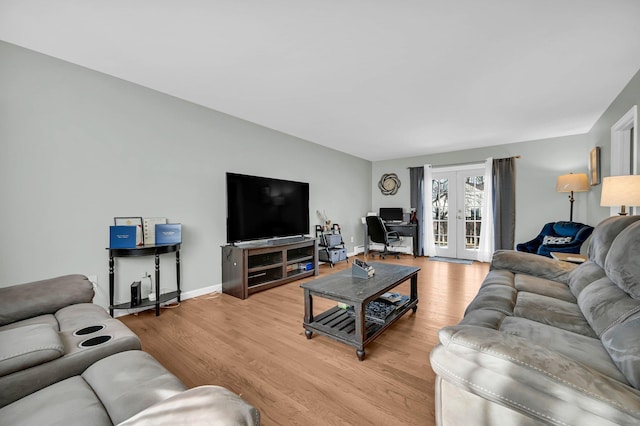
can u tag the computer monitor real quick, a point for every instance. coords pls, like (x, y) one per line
(389, 214)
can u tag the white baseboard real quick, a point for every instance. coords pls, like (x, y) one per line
(185, 295)
(400, 249)
(216, 288)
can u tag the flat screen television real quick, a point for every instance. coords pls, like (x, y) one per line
(262, 208)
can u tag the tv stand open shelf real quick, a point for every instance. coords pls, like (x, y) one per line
(251, 268)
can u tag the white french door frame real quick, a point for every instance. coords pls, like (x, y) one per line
(456, 223)
(624, 149)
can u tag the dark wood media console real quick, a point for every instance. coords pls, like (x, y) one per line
(250, 268)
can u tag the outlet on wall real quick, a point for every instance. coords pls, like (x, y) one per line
(94, 281)
(352, 238)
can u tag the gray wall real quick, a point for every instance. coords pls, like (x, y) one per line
(536, 171)
(600, 134)
(79, 147)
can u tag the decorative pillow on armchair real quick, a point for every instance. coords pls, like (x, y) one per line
(548, 239)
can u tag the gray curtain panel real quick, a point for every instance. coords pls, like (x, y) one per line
(416, 177)
(504, 202)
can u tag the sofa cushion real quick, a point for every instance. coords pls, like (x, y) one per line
(24, 347)
(129, 382)
(496, 297)
(204, 405)
(47, 319)
(587, 350)
(487, 318)
(554, 312)
(543, 286)
(69, 402)
(584, 275)
(623, 261)
(604, 305)
(623, 345)
(604, 234)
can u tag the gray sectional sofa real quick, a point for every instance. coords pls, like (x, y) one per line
(129, 388)
(64, 360)
(48, 332)
(548, 342)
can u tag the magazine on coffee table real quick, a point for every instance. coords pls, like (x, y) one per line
(378, 310)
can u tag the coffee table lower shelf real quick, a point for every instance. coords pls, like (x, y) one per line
(339, 325)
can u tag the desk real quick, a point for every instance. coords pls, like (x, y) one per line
(403, 229)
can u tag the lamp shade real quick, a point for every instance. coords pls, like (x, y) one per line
(576, 182)
(621, 191)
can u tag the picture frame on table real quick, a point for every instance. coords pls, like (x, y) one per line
(132, 221)
(594, 166)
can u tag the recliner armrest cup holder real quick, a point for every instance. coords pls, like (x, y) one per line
(88, 330)
(94, 341)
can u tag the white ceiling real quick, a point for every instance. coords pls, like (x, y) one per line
(376, 79)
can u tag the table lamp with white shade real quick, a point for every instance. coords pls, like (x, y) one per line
(621, 191)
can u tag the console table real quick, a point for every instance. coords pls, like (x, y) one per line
(150, 250)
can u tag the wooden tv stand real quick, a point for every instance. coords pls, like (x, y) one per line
(251, 268)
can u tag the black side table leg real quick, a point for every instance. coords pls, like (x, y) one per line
(178, 272)
(111, 285)
(157, 285)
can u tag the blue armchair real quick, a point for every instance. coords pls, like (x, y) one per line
(564, 237)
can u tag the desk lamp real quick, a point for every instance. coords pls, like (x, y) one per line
(621, 191)
(572, 183)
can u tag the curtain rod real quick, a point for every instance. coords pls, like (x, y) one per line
(471, 162)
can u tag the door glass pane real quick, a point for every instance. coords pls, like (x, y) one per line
(473, 198)
(440, 211)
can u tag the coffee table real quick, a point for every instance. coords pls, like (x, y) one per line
(343, 287)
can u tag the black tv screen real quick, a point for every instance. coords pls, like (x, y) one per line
(262, 208)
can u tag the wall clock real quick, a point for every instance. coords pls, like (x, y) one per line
(389, 184)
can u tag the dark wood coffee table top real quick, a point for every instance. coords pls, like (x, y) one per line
(343, 285)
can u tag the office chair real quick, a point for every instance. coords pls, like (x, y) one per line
(378, 234)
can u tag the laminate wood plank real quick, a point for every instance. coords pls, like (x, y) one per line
(257, 348)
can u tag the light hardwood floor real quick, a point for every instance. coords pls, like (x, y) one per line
(257, 348)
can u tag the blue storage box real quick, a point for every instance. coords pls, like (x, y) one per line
(170, 233)
(122, 236)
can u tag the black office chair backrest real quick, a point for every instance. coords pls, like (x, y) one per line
(377, 230)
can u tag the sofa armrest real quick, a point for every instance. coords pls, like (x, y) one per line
(529, 246)
(211, 405)
(29, 300)
(530, 379)
(532, 264)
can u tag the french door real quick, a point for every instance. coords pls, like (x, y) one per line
(457, 200)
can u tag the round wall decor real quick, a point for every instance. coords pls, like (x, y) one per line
(389, 184)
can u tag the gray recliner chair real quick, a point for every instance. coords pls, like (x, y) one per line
(50, 331)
